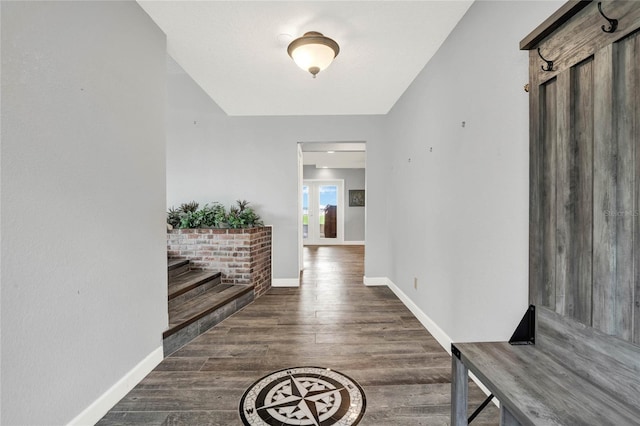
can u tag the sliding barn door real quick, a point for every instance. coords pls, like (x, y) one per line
(585, 168)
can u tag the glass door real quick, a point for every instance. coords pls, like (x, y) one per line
(305, 213)
(327, 211)
(322, 212)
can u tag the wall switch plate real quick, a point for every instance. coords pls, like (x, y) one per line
(415, 283)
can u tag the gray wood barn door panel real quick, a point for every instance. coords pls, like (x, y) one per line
(627, 95)
(604, 196)
(574, 193)
(615, 189)
(546, 293)
(536, 273)
(632, 123)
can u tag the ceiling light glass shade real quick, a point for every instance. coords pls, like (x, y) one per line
(313, 52)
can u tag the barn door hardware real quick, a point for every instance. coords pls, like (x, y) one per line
(549, 63)
(613, 23)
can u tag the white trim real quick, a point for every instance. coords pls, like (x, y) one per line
(285, 282)
(299, 211)
(428, 323)
(376, 281)
(100, 407)
(443, 339)
(326, 242)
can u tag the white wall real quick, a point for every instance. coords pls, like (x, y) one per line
(214, 157)
(84, 291)
(353, 179)
(460, 194)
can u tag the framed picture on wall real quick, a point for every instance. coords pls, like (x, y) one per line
(356, 198)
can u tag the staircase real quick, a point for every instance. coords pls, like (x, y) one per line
(197, 301)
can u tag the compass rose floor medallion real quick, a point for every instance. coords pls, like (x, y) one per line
(303, 396)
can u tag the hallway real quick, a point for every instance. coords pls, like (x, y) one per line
(331, 321)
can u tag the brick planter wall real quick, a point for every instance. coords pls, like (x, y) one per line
(243, 256)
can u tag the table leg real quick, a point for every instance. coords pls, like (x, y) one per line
(459, 392)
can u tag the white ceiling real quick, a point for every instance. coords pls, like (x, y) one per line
(236, 52)
(334, 155)
(337, 160)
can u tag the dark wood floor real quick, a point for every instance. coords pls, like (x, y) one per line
(331, 321)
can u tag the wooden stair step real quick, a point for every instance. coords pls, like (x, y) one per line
(209, 300)
(176, 267)
(176, 263)
(189, 280)
(194, 309)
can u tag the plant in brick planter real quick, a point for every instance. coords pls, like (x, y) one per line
(213, 216)
(173, 217)
(176, 216)
(220, 216)
(243, 216)
(202, 218)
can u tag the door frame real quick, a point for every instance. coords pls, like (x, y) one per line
(300, 185)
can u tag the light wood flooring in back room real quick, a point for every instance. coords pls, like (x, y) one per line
(332, 320)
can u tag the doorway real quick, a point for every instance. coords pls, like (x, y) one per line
(321, 163)
(322, 212)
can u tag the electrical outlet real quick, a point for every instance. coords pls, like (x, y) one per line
(415, 283)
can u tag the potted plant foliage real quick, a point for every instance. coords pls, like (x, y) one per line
(243, 216)
(213, 215)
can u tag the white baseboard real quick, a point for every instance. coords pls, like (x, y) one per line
(376, 281)
(428, 323)
(100, 407)
(285, 282)
(328, 242)
(443, 339)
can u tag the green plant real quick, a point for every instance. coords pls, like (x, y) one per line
(173, 217)
(183, 216)
(213, 215)
(251, 217)
(220, 217)
(243, 216)
(190, 207)
(233, 219)
(189, 220)
(206, 216)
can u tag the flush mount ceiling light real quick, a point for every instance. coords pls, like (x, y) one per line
(313, 52)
